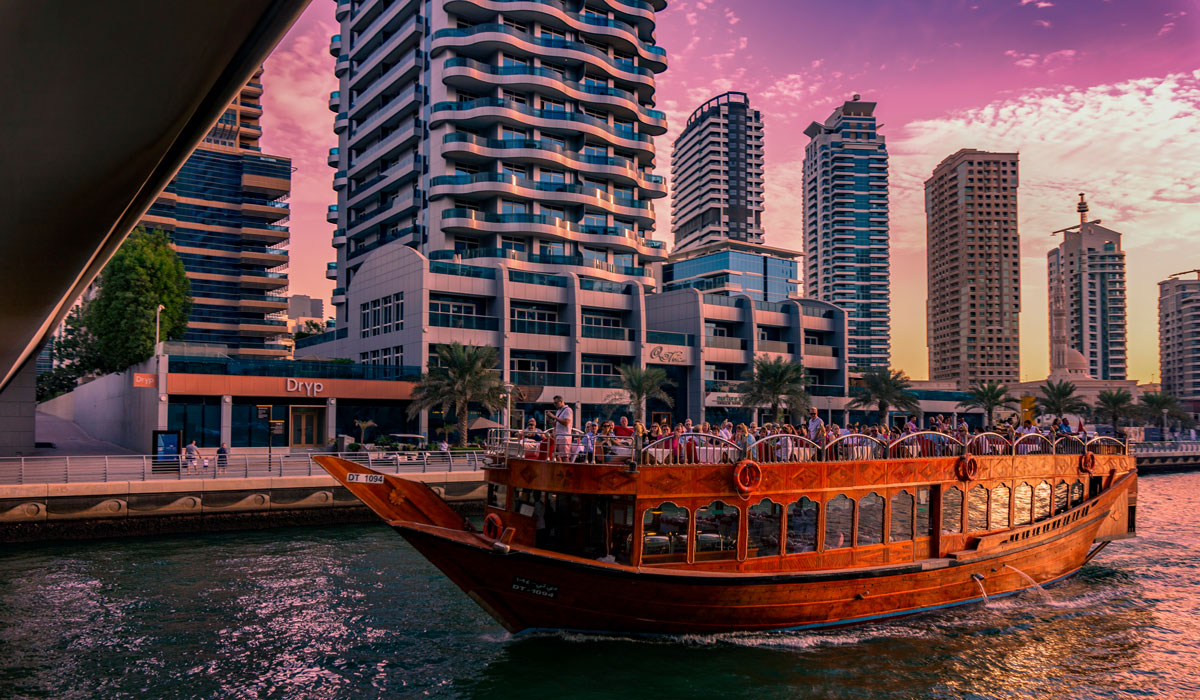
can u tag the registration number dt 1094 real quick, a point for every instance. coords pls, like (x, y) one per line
(364, 478)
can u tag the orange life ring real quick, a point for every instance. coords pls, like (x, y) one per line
(747, 476)
(493, 526)
(1087, 465)
(968, 468)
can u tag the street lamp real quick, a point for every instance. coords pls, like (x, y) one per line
(508, 390)
(157, 316)
(1165, 411)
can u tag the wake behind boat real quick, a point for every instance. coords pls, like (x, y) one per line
(704, 536)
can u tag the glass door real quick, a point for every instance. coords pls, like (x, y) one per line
(308, 426)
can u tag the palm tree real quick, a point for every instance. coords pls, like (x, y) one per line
(884, 388)
(775, 382)
(1115, 404)
(1154, 403)
(362, 426)
(988, 396)
(1058, 399)
(467, 375)
(637, 385)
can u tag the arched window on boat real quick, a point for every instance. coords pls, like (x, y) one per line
(901, 529)
(870, 519)
(1060, 497)
(924, 528)
(998, 516)
(1022, 505)
(1076, 493)
(802, 526)
(665, 533)
(977, 503)
(952, 508)
(764, 524)
(839, 522)
(716, 531)
(1041, 502)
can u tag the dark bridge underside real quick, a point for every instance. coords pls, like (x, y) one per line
(104, 101)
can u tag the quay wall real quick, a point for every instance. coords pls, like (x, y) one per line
(41, 512)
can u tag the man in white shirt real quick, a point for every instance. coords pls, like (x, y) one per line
(726, 431)
(563, 417)
(815, 424)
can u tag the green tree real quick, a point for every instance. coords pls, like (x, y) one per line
(884, 389)
(1058, 399)
(775, 382)
(1115, 404)
(309, 329)
(1154, 402)
(467, 375)
(144, 273)
(362, 426)
(988, 396)
(638, 385)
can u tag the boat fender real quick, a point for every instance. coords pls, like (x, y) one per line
(1087, 465)
(493, 526)
(747, 476)
(968, 468)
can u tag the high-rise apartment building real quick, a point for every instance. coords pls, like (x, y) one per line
(717, 175)
(1179, 337)
(729, 268)
(846, 226)
(1087, 271)
(225, 212)
(973, 253)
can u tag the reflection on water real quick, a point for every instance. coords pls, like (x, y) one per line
(354, 612)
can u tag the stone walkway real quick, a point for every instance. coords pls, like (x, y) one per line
(70, 440)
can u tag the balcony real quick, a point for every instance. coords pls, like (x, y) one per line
(343, 9)
(339, 180)
(332, 214)
(542, 378)
(339, 238)
(335, 45)
(608, 333)
(339, 296)
(722, 341)
(448, 268)
(821, 350)
(670, 338)
(333, 157)
(341, 65)
(721, 386)
(335, 99)
(601, 381)
(331, 270)
(479, 323)
(518, 325)
(341, 122)
(774, 346)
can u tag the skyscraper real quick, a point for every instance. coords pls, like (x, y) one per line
(225, 212)
(494, 186)
(973, 253)
(1088, 270)
(846, 226)
(717, 175)
(1179, 337)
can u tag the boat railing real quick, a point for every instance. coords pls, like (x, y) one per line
(1033, 444)
(1106, 446)
(989, 444)
(925, 444)
(690, 448)
(855, 448)
(785, 448)
(1069, 445)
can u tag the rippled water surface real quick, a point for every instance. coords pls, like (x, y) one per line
(354, 612)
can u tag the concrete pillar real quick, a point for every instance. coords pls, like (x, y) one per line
(330, 419)
(423, 424)
(18, 411)
(227, 420)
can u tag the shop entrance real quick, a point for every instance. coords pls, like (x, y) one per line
(308, 426)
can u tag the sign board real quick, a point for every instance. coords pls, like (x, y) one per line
(264, 412)
(145, 380)
(299, 386)
(167, 444)
(665, 355)
(277, 427)
(725, 399)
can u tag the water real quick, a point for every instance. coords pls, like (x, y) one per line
(353, 612)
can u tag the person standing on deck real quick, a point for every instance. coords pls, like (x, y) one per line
(816, 426)
(563, 417)
(192, 455)
(222, 458)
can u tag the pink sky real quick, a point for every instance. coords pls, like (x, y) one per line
(1098, 96)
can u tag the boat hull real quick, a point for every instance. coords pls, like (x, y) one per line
(527, 590)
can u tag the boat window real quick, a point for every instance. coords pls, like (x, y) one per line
(1060, 498)
(839, 522)
(764, 524)
(998, 517)
(802, 526)
(924, 528)
(901, 529)
(870, 519)
(952, 504)
(498, 496)
(977, 503)
(1076, 493)
(1041, 502)
(1023, 505)
(665, 533)
(716, 531)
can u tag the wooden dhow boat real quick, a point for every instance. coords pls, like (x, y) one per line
(699, 535)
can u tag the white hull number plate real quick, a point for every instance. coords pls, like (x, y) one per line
(364, 478)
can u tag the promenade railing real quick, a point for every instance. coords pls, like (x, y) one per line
(1169, 446)
(103, 468)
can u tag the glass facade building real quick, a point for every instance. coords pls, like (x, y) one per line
(846, 226)
(759, 275)
(226, 212)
